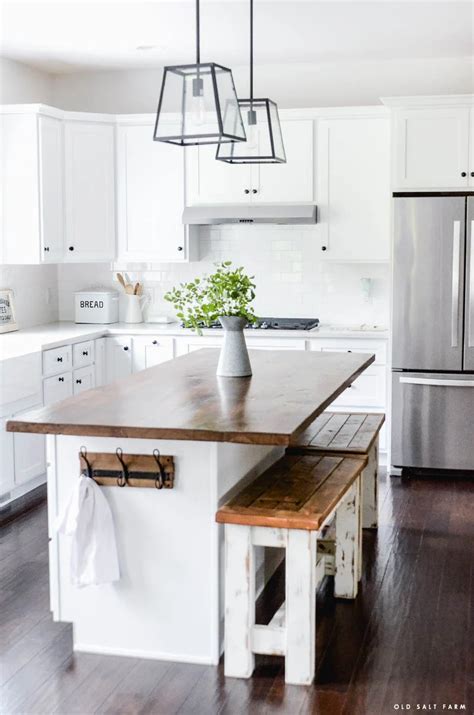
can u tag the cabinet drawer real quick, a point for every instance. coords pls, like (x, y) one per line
(367, 391)
(148, 352)
(57, 360)
(57, 388)
(83, 379)
(377, 347)
(83, 353)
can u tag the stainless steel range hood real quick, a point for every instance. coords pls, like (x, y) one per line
(261, 213)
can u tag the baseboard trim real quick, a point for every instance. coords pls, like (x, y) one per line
(22, 504)
(138, 653)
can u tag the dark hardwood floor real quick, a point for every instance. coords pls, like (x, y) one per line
(407, 639)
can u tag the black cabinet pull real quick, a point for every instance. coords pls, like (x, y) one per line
(71, 248)
(85, 352)
(349, 351)
(155, 342)
(324, 248)
(463, 173)
(472, 173)
(61, 379)
(180, 248)
(125, 347)
(59, 359)
(246, 191)
(254, 191)
(46, 248)
(78, 382)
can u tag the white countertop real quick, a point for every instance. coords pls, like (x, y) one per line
(50, 335)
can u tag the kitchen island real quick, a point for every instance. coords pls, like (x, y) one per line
(221, 432)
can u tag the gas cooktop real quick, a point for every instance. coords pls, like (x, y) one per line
(279, 324)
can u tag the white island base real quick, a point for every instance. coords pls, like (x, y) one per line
(168, 603)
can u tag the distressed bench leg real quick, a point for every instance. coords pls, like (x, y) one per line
(347, 544)
(239, 660)
(360, 522)
(370, 488)
(300, 607)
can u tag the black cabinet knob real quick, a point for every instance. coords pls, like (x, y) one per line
(254, 191)
(59, 359)
(349, 351)
(324, 248)
(85, 352)
(61, 379)
(246, 191)
(71, 248)
(180, 248)
(125, 347)
(46, 248)
(78, 382)
(155, 342)
(472, 173)
(463, 173)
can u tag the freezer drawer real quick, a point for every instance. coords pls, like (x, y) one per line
(433, 420)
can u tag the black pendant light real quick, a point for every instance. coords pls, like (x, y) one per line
(210, 111)
(264, 144)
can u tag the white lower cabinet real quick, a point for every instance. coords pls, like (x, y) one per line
(196, 342)
(151, 351)
(7, 464)
(83, 379)
(57, 388)
(29, 455)
(118, 357)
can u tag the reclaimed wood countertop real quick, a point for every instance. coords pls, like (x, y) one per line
(184, 399)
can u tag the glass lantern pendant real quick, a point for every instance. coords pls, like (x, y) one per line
(209, 109)
(264, 144)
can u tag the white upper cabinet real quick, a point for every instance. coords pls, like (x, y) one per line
(471, 148)
(353, 192)
(150, 197)
(215, 182)
(31, 188)
(90, 191)
(431, 148)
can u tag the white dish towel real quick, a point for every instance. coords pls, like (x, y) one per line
(87, 519)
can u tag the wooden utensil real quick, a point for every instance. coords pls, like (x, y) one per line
(136, 289)
(121, 280)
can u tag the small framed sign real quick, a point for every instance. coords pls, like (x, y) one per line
(7, 311)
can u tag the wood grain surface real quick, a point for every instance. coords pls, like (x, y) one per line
(339, 432)
(294, 493)
(184, 399)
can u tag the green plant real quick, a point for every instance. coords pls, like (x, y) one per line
(227, 292)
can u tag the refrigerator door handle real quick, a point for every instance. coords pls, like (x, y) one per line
(436, 382)
(455, 284)
(470, 292)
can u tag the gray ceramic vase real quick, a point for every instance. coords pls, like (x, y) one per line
(234, 358)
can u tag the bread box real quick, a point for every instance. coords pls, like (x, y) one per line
(98, 306)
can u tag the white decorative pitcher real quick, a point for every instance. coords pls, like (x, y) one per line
(133, 308)
(234, 358)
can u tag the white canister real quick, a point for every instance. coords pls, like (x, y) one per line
(133, 308)
(96, 306)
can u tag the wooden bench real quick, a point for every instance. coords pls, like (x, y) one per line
(355, 434)
(288, 507)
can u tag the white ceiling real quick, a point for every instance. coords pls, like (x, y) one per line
(72, 35)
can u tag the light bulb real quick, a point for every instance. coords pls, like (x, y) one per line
(198, 110)
(252, 137)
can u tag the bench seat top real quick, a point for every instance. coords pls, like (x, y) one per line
(339, 432)
(297, 492)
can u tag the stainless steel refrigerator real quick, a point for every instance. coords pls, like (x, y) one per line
(433, 332)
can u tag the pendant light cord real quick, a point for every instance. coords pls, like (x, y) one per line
(198, 39)
(251, 54)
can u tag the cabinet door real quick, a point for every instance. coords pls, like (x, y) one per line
(353, 194)
(100, 362)
(90, 201)
(57, 388)
(7, 465)
(30, 456)
(189, 345)
(51, 188)
(291, 182)
(118, 358)
(151, 351)
(471, 148)
(209, 181)
(83, 379)
(150, 185)
(431, 148)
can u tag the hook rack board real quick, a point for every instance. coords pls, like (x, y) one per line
(142, 469)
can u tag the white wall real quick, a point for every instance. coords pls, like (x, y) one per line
(35, 290)
(21, 84)
(297, 85)
(291, 276)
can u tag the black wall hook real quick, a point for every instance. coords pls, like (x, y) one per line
(83, 453)
(160, 478)
(123, 479)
